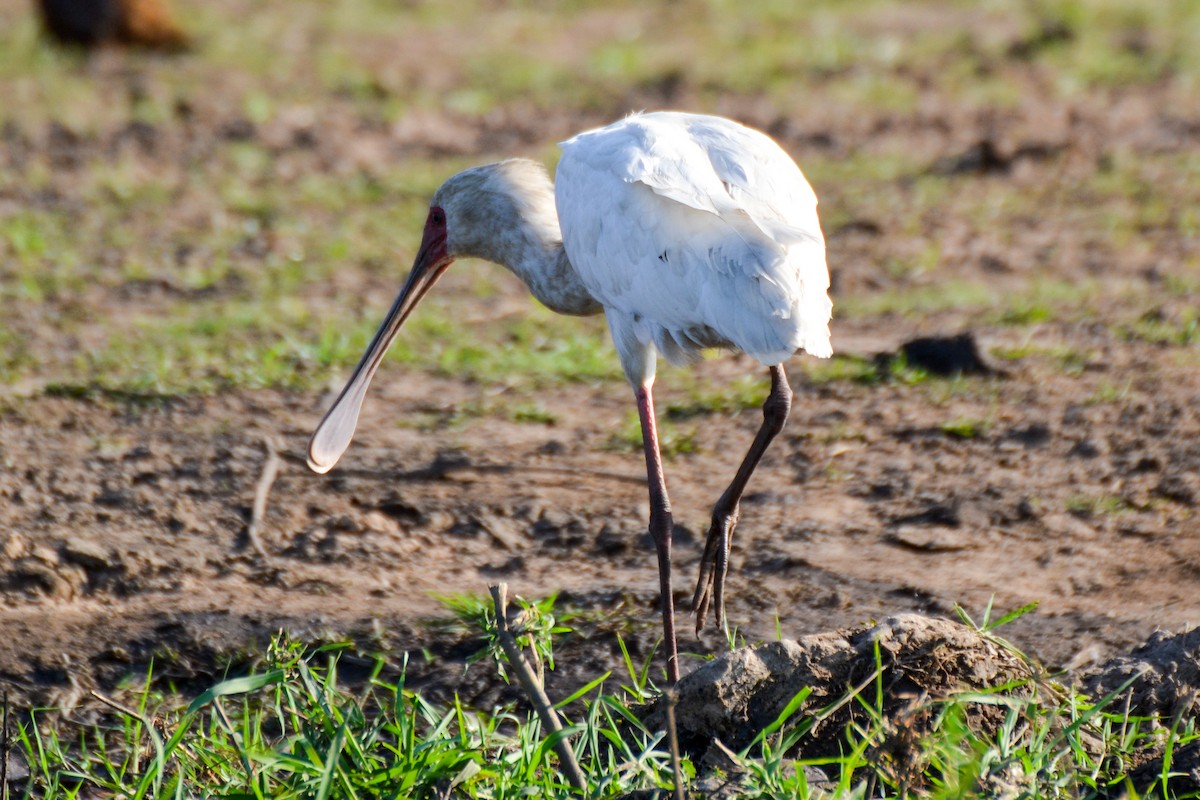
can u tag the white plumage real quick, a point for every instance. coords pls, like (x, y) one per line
(688, 231)
(692, 232)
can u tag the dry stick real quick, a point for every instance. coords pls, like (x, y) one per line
(537, 695)
(237, 740)
(147, 723)
(261, 492)
(672, 697)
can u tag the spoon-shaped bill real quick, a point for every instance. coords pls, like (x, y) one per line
(333, 435)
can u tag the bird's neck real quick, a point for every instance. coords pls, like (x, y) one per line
(544, 267)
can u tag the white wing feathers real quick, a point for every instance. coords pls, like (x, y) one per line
(713, 238)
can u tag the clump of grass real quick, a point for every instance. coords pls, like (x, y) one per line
(290, 727)
(842, 368)
(744, 392)
(1033, 314)
(965, 428)
(673, 441)
(1086, 505)
(533, 412)
(866, 371)
(1159, 327)
(1109, 392)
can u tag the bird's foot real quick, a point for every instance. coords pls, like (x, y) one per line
(714, 566)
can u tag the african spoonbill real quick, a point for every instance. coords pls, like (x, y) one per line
(689, 232)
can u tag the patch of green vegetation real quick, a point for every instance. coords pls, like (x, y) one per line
(1183, 285)
(537, 349)
(842, 368)
(853, 368)
(1085, 505)
(965, 428)
(291, 727)
(15, 356)
(673, 441)
(533, 412)
(1026, 315)
(1109, 392)
(742, 393)
(919, 300)
(38, 249)
(1035, 302)
(1066, 359)
(1160, 327)
(1111, 43)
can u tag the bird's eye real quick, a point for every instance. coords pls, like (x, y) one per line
(437, 216)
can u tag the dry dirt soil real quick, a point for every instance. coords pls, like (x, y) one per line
(123, 522)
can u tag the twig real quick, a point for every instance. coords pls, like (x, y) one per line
(223, 718)
(155, 740)
(672, 697)
(262, 491)
(537, 695)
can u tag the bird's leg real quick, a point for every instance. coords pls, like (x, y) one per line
(661, 524)
(710, 588)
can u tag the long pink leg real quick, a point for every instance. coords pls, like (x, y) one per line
(715, 563)
(661, 524)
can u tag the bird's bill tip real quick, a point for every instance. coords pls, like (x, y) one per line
(333, 435)
(318, 466)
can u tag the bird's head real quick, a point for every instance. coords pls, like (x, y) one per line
(489, 211)
(474, 213)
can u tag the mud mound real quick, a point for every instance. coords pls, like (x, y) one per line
(1163, 676)
(914, 658)
(940, 355)
(1159, 680)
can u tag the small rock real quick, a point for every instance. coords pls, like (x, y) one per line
(88, 555)
(1084, 449)
(378, 522)
(16, 770)
(929, 540)
(981, 158)
(502, 531)
(733, 697)
(940, 355)
(45, 555)
(15, 546)
(345, 523)
(1165, 672)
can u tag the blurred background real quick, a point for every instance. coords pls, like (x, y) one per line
(185, 223)
(200, 229)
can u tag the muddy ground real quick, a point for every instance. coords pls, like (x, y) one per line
(1075, 485)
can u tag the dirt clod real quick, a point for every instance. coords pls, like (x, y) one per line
(910, 656)
(1163, 676)
(940, 355)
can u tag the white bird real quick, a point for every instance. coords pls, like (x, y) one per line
(688, 232)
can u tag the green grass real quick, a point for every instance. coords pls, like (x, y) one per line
(866, 371)
(1086, 505)
(292, 727)
(1158, 327)
(965, 428)
(673, 439)
(707, 397)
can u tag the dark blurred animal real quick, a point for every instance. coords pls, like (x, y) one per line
(88, 23)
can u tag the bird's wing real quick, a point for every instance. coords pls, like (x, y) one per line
(690, 223)
(710, 164)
